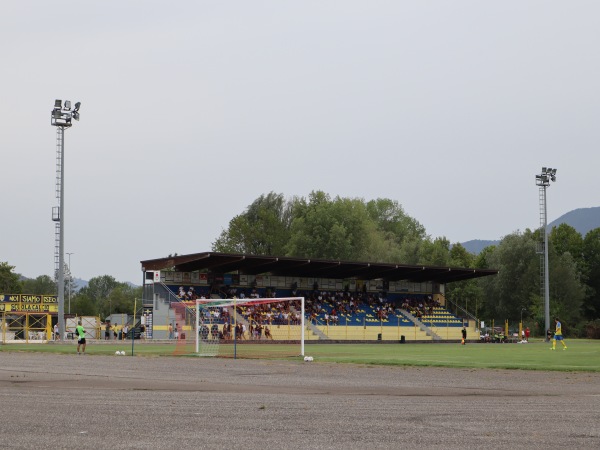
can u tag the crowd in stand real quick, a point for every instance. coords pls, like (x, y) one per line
(420, 307)
(320, 305)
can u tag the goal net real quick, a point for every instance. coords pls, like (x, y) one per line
(250, 328)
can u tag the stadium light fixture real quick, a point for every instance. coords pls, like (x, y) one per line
(543, 181)
(60, 117)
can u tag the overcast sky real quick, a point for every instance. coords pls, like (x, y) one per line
(193, 109)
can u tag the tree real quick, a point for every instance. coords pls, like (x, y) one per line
(566, 239)
(436, 252)
(263, 229)
(567, 292)
(460, 257)
(121, 300)
(99, 288)
(322, 228)
(517, 284)
(482, 260)
(591, 256)
(9, 280)
(83, 305)
(389, 217)
(42, 285)
(401, 235)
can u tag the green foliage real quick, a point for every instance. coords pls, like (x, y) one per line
(591, 257)
(263, 229)
(42, 285)
(104, 296)
(436, 253)
(566, 239)
(9, 280)
(83, 305)
(322, 228)
(121, 300)
(509, 291)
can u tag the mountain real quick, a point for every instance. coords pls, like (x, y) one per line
(476, 245)
(79, 283)
(582, 219)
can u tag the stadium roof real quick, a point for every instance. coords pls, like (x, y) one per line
(311, 268)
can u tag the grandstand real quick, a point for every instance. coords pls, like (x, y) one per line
(345, 301)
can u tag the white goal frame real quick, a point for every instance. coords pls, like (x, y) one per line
(235, 302)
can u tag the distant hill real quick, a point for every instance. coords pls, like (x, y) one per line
(582, 219)
(476, 245)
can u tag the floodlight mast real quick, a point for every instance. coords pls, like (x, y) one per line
(61, 118)
(543, 181)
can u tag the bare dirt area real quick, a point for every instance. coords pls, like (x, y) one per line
(68, 401)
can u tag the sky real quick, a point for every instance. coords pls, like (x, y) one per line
(190, 110)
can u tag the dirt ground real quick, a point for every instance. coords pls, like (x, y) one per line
(110, 402)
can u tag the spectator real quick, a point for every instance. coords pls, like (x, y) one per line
(527, 334)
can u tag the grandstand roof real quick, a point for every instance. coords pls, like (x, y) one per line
(312, 268)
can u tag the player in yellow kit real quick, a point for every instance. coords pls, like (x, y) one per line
(558, 335)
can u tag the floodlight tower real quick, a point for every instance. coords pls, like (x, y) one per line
(61, 117)
(543, 181)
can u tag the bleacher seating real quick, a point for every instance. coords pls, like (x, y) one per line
(369, 317)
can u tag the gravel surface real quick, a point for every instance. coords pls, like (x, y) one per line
(70, 401)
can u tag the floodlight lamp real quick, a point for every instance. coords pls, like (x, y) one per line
(67, 104)
(553, 171)
(56, 113)
(75, 115)
(57, 104)
(553, 178)
(77, 106)
(543, 170)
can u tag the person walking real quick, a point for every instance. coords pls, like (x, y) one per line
(464, 336)
(80, 331)
(527, 333)
(558, 335)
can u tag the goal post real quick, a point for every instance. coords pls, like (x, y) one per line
(250, 327)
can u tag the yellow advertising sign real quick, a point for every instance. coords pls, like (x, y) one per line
(27, 307)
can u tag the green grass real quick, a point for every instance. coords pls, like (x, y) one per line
(582, 355)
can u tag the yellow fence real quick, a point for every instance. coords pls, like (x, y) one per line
(25, 327)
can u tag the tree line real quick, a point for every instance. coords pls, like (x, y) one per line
(380, 231)
(102, 296)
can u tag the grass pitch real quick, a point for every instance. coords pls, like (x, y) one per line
(581, 355)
